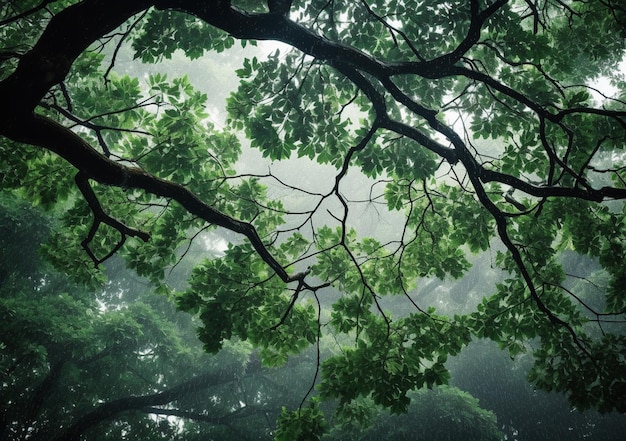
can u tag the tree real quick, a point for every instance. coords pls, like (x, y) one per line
(117, 366)
(475, 126)
(443, 413)
(525, 413)
(128, 366)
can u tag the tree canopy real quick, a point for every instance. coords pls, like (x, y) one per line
(71, 358)
(459, 127)
(127, 366)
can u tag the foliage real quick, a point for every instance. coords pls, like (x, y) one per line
(302, 425)
(68, 356)
(476, 126)
(439, 414)
(120, 344)
(524, 412)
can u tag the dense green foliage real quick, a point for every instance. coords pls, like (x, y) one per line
(71, 358)
(115, 369)
(459, 127)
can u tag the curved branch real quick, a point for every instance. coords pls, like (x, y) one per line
(44, 132)
(116, 407)
(502, 228)
(49, 61)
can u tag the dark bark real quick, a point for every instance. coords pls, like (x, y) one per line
(67, 35)
(49, 61)
(71, 31)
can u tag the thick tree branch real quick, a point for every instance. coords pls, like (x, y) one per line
(49, 61)
(62, 42)
(116, 407)
(44, 132)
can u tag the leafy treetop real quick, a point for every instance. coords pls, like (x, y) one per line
(476, 123)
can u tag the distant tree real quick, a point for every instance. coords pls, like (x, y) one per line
(75, 366)
(525, 413)
(441, 414)
(478, 125)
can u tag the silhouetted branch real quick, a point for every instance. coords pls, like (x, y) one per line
(113, 408)
(100, 217)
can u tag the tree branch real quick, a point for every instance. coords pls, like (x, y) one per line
(112, 408)
(44, 132)
(82, 182)
(62, 42)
